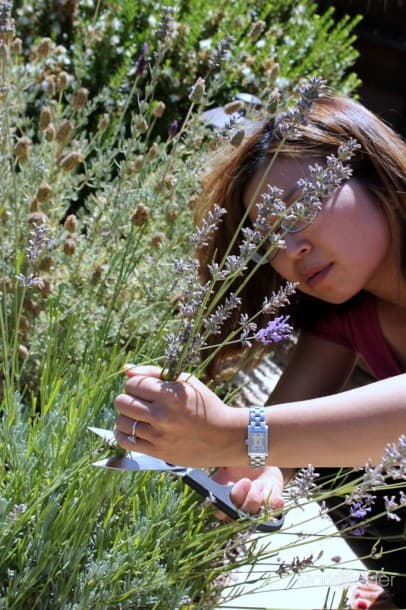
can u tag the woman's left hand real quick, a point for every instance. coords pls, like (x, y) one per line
(181, 422)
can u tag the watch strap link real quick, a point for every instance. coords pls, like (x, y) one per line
(258, 428)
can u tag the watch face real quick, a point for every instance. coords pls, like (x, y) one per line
(257, 443)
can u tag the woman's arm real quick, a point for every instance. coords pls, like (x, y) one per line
(184, 422)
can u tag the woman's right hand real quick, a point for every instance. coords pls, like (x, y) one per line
(252, 489)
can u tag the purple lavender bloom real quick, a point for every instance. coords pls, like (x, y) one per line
(142, 60)
(358, 531)
(173, 128)
(276, 330)
(358, 511)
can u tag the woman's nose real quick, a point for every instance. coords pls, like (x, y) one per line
(296, 245)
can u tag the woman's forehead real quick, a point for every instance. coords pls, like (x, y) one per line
(283, 174)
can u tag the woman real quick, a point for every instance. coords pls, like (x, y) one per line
(348, 258)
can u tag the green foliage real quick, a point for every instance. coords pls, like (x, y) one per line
(113, 197)
(273, 42)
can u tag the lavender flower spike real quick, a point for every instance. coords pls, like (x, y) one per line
(276, 330)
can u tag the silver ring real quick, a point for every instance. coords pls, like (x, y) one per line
(132, 438)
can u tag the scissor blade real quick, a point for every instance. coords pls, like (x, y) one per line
(106, 435)
(134, 460)
(138, 461)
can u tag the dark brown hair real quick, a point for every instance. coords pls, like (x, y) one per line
(379, 163)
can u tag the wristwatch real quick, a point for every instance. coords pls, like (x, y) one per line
(257, 437)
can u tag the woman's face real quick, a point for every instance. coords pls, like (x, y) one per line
(344, 250)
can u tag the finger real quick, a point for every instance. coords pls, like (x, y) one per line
(222, 516)
(132, 370)
(133, 408)
(239, 492)
(130, 427)
(154, 389)
(140, 444)
(273, 494)
(251, 496)
(254, 498)
(222, 476)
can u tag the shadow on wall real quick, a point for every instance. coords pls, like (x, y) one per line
(381, 42)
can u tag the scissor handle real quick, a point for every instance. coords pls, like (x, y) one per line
(220, 494)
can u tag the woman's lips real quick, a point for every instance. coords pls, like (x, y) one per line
(317, 276)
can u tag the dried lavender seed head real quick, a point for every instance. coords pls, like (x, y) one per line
(152, 152)
(171, 214)
(22, 352)
(80, 98)
(49, 85)
(197, 92)
(70, 161)
(96, 275)
(44, 192)
(43, 286)
(140, 215)
(141, 124)
(71, 223)
(63, 81)
(69, 246)
(37, 218)
(45, 117)
(31, 306)
(50, 133)
(159, 110)
(257, 28)
(137, 164)
(170, 181)
(157, 239)
(44, 48)
(21, 148)
(103, 122)
(64, 131)
(6, 283)
(17, 46)
(46, 263)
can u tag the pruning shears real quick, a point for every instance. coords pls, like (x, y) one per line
(196, 478)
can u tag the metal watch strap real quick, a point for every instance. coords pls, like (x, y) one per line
(258, 430)
(257, 462)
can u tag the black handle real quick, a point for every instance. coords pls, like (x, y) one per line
(220, 495)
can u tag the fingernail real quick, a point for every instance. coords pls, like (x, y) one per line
(278, 503)
(357, 594)
(362, 604)
(128, 367)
